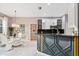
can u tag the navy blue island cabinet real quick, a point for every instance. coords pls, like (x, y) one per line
(55, 45)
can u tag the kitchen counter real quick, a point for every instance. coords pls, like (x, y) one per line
(49, 31)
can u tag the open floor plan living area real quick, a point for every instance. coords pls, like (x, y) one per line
(39, 29)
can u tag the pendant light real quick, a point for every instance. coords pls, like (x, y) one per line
(15, 24)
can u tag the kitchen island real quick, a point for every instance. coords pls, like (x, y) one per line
(55, 45)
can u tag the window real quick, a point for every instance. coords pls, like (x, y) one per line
(0, 26)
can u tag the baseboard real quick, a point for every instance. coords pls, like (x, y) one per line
(41, 54)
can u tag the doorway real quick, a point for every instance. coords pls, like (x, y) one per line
(33, 28)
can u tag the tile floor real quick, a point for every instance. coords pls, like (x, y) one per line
(29, 48)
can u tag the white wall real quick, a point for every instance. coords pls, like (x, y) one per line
(27, 22)
(46, 23)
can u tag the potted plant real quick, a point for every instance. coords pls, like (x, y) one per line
(11, 30)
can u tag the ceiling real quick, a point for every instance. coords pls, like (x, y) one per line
(35, 9)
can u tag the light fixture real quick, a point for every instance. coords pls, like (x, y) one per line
(39, 7)
(15, 24)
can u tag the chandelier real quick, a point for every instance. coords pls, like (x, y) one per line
(15, 24)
